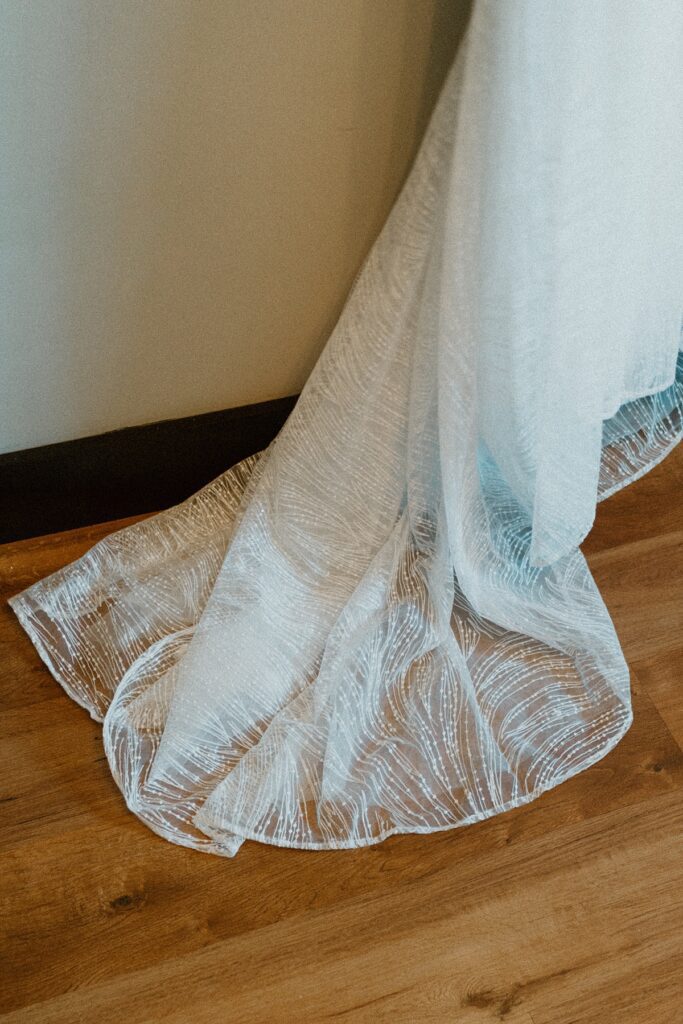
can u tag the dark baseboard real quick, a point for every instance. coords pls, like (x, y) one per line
(128, 472)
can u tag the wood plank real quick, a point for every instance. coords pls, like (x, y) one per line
(649, 507)
(540, 928)
(69, 835)
(662, 679)
(641, 585)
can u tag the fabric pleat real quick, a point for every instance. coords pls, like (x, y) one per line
(383, 622)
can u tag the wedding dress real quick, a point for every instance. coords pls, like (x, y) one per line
(383, 622)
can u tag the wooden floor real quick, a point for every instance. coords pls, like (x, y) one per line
(567, 910)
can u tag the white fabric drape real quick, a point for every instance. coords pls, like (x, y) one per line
(383, 622)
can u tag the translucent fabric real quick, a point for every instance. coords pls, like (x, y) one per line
(383, 622)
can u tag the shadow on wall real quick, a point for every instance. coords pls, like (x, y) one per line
(191, 189)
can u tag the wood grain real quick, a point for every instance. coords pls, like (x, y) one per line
(566, 911)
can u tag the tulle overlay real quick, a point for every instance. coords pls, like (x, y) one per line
(383, 622)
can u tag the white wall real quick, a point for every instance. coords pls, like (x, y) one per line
(187, 190)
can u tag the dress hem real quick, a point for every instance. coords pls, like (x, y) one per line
(219, 836)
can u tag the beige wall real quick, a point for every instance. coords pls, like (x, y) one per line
(188, 188)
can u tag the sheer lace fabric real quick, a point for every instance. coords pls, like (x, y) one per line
(383, 622)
